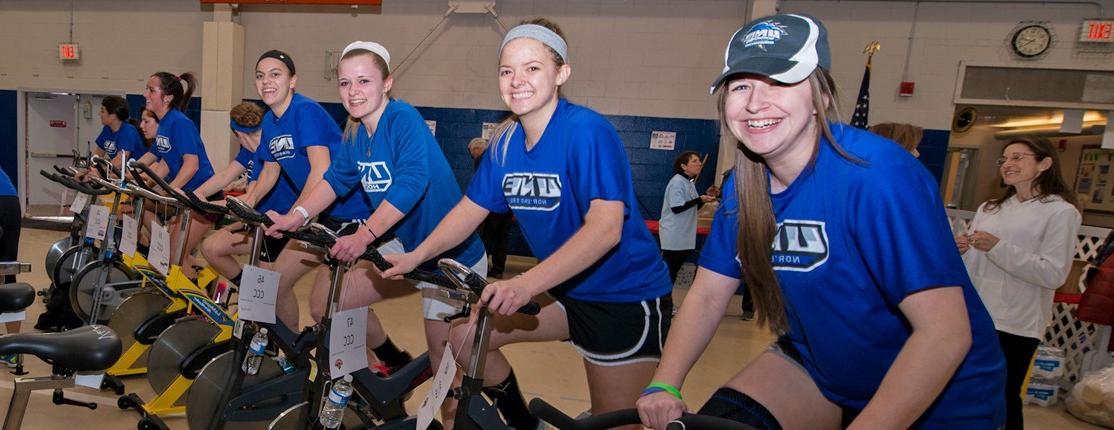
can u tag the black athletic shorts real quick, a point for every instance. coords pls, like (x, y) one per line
(271, 248)
(613, 334)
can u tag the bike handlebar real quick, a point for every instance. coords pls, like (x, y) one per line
(622, 417)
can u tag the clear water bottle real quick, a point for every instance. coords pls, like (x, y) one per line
(256, 350)
(332, 410)
(284, 364)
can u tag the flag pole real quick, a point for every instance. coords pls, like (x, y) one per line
(859, 118)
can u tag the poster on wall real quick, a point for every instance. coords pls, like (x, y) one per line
(1094, 186)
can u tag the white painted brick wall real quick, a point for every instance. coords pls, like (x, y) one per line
(632, 57)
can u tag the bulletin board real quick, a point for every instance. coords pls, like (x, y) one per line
(1094, 184)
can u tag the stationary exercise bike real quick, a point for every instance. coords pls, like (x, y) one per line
(90, 348)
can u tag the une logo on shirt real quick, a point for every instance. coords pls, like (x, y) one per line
(376, 178)
(282, 147)
(532, 191)
(110, 146)
(800, 245)
(162, 143)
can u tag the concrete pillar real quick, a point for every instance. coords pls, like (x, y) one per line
(726, 159)
(222, 74)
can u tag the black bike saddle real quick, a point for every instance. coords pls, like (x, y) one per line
(16, 297)
(88, 348)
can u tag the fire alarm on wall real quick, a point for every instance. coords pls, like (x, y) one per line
(906, 89)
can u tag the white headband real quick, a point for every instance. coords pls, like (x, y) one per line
(370, 46)
(544, 35)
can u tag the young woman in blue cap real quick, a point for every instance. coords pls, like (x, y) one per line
(388, 155)
(843, 240)
(563, 172)
(178, 150)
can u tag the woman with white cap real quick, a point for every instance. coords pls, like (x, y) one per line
(843, 240)
(390, 154)
(563, 172)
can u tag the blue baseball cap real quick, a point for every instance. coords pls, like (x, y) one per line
(785, 48)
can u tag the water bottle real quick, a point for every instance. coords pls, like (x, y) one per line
(284, 364)
(255, 353)
(332, 410)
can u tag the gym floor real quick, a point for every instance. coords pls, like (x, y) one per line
(551, 370)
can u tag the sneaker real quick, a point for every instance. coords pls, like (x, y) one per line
(748, 315)
(10, 360)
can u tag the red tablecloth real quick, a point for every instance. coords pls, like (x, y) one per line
(653, 226)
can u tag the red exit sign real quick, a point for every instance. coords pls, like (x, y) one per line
(1097, 31)
(68, 52)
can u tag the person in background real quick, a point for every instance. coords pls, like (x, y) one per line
(906, 135)
(10, 224)
(677, 227)
(120, 138)
(496, 228)
(1018, 252)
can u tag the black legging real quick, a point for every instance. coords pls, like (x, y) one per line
(10, 220)
(675, 259)
(1018, 351)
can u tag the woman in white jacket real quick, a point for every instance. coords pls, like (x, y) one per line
(1018, 251)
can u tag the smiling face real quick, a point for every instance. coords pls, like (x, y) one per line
(362, 87)
(1020, 166)
(155, 99)
(775, 121)
(149, 125)
(274, 83)
(529, 77)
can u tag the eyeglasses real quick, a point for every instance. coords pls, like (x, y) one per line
(1014, 158)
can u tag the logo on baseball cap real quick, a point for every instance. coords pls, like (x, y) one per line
(785, 48)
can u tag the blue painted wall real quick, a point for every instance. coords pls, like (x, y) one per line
(934, 152)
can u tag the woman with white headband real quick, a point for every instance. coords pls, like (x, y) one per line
(563, 172)
(390, 153)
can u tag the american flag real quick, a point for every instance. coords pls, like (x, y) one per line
(862, 104)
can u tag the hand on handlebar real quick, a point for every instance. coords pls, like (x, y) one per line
(349, 248)
(401, 264)
(658, 409)
(288, 222)
(505, 297)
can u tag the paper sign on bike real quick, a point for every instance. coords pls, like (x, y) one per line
(13, 316)
(98, 222)
(79, 202)
(442, 382)
(347, 341)
(92, 380)
(130, 236)
(258, 291)
(160, 248)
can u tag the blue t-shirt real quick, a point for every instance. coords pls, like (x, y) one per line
(6, 187)
(403, 165)
(853, 241)
(550, 189)
(176, 138)
(125, 138)
(285, 141)
(280, 198)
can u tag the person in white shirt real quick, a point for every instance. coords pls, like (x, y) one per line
(677, 227)
(1018, 251)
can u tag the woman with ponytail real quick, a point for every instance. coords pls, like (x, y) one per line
(178, 149)
(119, 139)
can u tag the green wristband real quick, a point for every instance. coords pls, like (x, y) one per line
(668, 388)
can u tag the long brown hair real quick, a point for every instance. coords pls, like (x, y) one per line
(353, 124)
(172, 85)
(757, 224)
(506, 125)
(1047, 183)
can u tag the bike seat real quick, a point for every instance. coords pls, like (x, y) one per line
(16, 297)
(88, 348)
